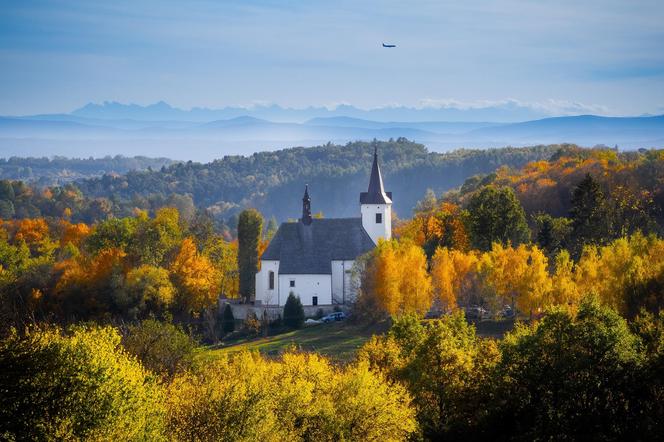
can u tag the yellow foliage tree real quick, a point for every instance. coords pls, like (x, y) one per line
(518, 276)
(400, 281)
(195, 278)
(450, 271)
(301, 397)
(564, 290)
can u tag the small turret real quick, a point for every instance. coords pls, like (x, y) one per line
(306, 207)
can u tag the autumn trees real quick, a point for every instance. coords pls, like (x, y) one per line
(85, 383)
(122, 268)
(581, 372)
(625, 274)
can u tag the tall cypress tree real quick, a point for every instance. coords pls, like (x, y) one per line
(249, 230)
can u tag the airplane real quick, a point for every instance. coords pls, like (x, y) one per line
(389, 46)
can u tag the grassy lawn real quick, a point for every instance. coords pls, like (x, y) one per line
(337, 340)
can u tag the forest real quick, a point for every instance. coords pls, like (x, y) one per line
(60, 170)
(104, 321)
(273, 182)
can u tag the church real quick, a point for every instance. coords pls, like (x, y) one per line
(313, 257)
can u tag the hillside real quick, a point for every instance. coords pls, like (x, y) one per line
(273, 182)
(60, 170)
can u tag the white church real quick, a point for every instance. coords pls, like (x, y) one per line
(313, 258)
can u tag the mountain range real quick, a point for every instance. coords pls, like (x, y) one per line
(160, 130)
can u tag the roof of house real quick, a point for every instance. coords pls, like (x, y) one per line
(310, 249)
(376, 193)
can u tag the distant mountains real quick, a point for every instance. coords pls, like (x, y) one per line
(160, 130)
(506, 111)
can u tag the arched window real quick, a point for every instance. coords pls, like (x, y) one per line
(270, 278)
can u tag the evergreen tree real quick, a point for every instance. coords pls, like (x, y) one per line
(590, 223)
(228, 320)
(249, 230)
(552, 233)
(293, 312)
(496, 215)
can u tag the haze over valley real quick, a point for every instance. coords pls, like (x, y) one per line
(198, 134)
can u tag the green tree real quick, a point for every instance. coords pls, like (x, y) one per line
(7, 191)
(589, 215)
(496, 215)
(249, 230)
(7, 210)
(552, 233)
(228, 320)
(271, 228)
(293, 312)
(572, 377)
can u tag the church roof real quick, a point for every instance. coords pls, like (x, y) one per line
(376, 193)
(309, 249)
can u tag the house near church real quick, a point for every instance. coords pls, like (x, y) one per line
(313, 258)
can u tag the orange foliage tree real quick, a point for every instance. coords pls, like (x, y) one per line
(195, 278)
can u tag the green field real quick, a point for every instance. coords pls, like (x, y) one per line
(337, 340)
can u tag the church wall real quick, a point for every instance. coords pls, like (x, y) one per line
(341, 281)
(377, 230)
(306, 287)
(263, 293)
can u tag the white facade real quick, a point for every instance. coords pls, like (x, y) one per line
(311, 289)
(342, 285)
(268, 293)
(377, 221)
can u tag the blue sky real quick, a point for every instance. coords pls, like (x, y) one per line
(601, 56)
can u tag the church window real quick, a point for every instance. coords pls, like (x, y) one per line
(271, 280)
(314, 300)
(379, 218)
(292, 283)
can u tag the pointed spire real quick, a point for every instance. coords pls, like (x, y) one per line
(306, 206)
(376, 193)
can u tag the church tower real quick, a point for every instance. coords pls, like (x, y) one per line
(376, 205)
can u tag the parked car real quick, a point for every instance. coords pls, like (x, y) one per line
(507, 312)
(476, 312)
(337, 316)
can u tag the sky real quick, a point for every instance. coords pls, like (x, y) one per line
(580, 56)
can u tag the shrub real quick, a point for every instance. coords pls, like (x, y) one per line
(76, 386)
(293, 312)
(161, 346)
(251, 324)
(301, 397)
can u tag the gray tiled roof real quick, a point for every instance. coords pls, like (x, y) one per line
(309, 249)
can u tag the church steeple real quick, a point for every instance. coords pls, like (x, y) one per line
(306, 207)
(376, 193)
(376, 205)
